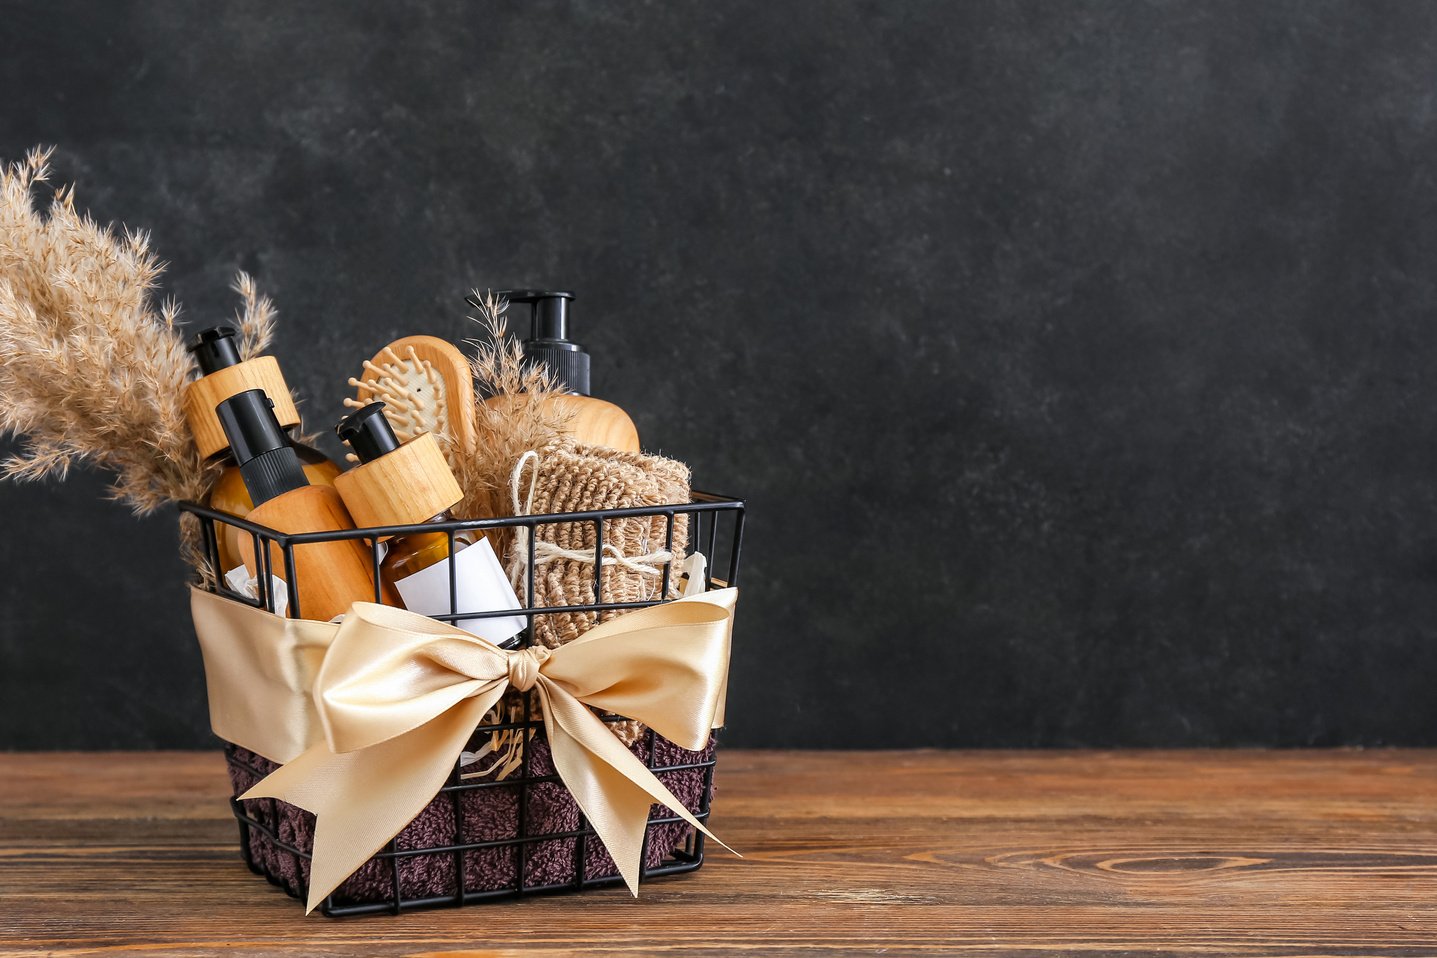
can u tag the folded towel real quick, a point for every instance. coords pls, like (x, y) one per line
(465, 816)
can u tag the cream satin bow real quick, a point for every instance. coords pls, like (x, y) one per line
(399, 694)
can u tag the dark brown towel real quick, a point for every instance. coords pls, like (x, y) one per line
(488, 813)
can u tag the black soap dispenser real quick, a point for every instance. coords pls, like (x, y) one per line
(591, 421)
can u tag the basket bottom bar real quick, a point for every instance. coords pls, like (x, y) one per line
(466, 846)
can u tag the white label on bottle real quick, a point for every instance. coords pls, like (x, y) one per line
(479, 586)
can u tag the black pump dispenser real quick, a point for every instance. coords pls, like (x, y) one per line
(214, 349)
(267, 461)
(368, 432)
(548, 341)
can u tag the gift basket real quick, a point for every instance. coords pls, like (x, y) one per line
(486, 657)
(484, 836)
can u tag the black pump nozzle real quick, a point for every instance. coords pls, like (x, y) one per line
(548, 341)
(214, 349)
(267, 461)
(549, 314)
(368, 432)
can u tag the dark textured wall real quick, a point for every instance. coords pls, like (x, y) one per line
(1075, 359)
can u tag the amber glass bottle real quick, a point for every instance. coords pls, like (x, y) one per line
(225, 376)
(412, 554)
(330, 575)
(403, 489)
(410, 484)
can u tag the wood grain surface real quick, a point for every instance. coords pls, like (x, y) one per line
(897, 853)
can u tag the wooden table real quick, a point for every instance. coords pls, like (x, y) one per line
(899, 853)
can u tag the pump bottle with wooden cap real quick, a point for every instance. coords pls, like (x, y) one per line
(329, 576)
(226, 376)
(410, 484)
(591, 421)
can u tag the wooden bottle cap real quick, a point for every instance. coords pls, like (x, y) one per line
(207, 392)
(409, 485)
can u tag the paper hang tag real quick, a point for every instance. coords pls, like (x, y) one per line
(479, 586)
(239, 580)
(467, 758)
(693, 574)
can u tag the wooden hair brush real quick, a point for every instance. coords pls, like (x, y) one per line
(426, 386)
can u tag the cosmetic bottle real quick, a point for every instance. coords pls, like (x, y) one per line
(224, 375)
(330, 575)
(411, 484)
(591, 421)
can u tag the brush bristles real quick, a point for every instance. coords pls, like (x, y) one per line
(401, 383)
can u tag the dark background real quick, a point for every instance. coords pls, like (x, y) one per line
(1075, 359)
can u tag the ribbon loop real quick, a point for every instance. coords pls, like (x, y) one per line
(399, 695)
(524, 665)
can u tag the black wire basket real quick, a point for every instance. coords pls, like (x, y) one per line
(483, 837)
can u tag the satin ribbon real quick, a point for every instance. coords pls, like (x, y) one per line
(398, 695)
(259, 674)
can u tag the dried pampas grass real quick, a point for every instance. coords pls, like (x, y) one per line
(91, 370)
(255, 320)
(514, 412)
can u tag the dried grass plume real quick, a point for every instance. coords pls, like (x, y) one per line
(515, 412)
(92, 370)
(255, 321)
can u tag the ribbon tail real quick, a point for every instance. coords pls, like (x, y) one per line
(362, 799)
(612, 787)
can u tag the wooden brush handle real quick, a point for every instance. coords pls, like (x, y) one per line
(331, 574)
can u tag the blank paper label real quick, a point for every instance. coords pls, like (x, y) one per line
(479, 586)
